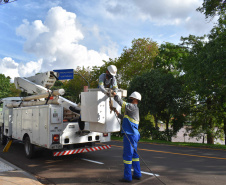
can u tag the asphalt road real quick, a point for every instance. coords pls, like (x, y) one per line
(173, 165)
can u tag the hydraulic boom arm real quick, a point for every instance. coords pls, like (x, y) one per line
(40, 84)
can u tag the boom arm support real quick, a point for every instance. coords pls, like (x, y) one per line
(28, 86)
(37, 84)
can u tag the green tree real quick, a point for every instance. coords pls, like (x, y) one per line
(136, 59)
(57, 85)
(170, 58)
(4, 86)
(212, 7)
(74, 87)
(160, 97)
(133, 61)
(13, 91)
(205, 77)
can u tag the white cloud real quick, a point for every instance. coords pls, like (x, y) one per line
(57, 42)
(10, 68)
(7, 62)
(174, 17)
(98, 30)
(188, 19)
(161, 12)
(173, 35)
(111, 49)
(29, 68)
(198, 25)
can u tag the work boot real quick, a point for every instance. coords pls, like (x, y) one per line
(136, 178)
(124, 180)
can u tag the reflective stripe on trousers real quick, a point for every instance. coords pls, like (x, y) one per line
(130, 157)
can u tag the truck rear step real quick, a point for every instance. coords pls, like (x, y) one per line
(81, 150)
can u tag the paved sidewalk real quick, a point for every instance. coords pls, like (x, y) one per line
(11, 175)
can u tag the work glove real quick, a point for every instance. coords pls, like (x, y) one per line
(113, 108)
(110, 93)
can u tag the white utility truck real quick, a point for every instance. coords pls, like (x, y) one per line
(48, 120)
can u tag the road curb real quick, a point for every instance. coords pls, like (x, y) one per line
(16, 175)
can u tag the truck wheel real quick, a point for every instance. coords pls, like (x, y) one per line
(29, 148)
(3, 138)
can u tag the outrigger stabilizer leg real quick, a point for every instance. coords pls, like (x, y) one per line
(7, 146)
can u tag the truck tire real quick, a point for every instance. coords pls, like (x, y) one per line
(3, 138)
(29, 148)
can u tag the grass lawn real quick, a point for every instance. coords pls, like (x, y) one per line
(200, 145)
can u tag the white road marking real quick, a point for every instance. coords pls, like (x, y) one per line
(147, 173)
(92, 161)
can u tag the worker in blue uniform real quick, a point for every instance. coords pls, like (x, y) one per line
(108, 80)
(131, 135)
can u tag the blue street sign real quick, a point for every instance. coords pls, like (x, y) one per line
(65, 74)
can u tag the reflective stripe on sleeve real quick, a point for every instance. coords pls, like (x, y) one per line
(123, 105)
(132, 120)
(101, 83)
(127, 162)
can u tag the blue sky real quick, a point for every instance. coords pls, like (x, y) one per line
(41, 35)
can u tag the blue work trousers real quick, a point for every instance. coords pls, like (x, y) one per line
(130, 157)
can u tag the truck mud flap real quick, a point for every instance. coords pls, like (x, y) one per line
(81, 150)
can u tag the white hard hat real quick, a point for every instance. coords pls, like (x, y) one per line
(135, 95)
(112, 70)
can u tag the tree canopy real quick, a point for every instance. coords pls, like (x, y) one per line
(136, 59)
(213, 7)
(161, 96)
(205, 76)
(170, 58)
(4, 86)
